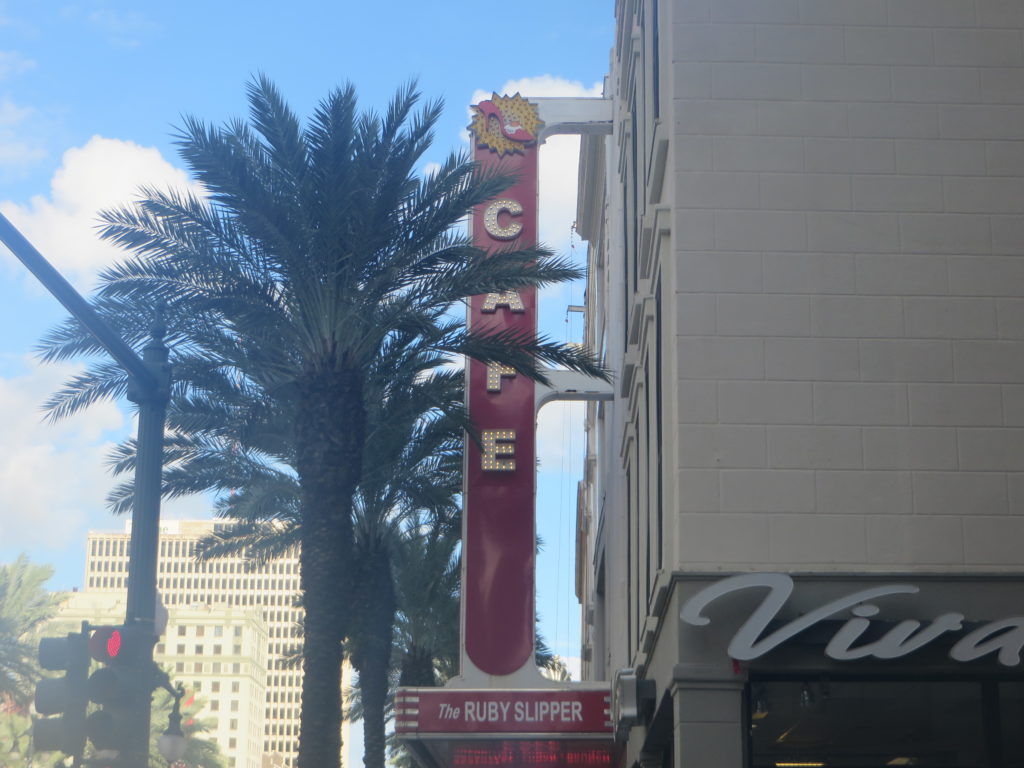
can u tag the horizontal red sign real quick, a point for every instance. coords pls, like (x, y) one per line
(425, 711)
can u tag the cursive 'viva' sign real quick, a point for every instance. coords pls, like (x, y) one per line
(1004, 637)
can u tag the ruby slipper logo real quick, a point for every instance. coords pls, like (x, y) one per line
(505, 124)
(1004, 637)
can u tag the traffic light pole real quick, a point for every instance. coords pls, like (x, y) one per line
(149, 388)
(143, 546)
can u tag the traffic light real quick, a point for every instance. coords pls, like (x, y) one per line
(65, 696)
(121, 685)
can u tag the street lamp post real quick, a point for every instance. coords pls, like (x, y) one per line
(172, 743)
(149, 388)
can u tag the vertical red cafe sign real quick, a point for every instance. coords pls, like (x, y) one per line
(487, 723)
(499, 540)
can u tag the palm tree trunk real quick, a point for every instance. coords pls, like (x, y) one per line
(417, 668)
(329, 429)
(322, 585)
(375, 591)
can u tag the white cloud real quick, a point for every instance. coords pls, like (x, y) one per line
(575, 666)
(104, 173)
(118, 28)
(13, 63)
(52, 475)
(559, 162)
(560, 437)
(21, 137)
(542, 86)
(19, 148)
(11, 114)
(122, 29)
(196, 507)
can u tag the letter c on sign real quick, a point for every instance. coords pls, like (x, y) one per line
(494, 229)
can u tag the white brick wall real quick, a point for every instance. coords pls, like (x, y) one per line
(848, 179)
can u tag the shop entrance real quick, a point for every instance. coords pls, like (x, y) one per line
(829, 722)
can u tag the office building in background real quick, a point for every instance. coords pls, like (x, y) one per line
(234, 632)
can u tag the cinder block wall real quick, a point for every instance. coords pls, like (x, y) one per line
(848, 193)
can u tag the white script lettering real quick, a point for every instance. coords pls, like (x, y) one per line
(1005, 636)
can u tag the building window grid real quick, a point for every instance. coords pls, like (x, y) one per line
(190, 580)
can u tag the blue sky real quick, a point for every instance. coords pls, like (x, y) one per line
(90, 94)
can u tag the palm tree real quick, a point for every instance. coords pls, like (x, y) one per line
(313, 252)
(24, 606)
(410, 486)
(411, 480)
(15, 733)
(425, 570)
(428, 620)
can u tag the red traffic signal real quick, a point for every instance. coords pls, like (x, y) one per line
(106, 643)
(121, 685)
(123, 644)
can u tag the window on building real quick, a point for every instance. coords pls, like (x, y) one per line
(181, 630)
(885, 722)
(214, 705)
(235, 686)
(215, 686)
(181, 649)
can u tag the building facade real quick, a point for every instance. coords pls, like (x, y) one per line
(257, 600)
(802, 515)
(218, 652)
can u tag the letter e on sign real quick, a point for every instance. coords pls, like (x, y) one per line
(497, 443)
